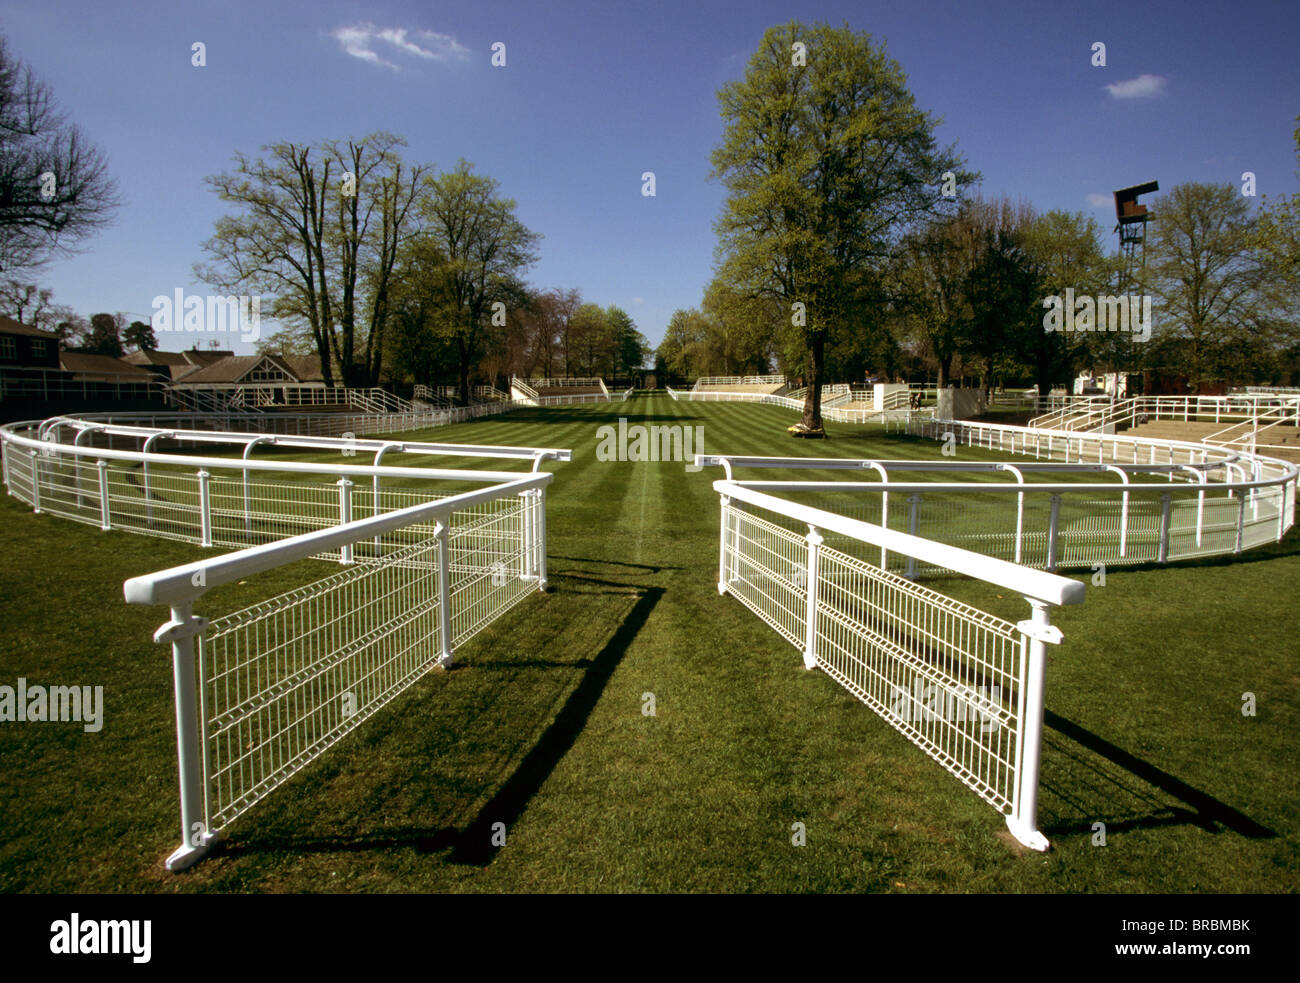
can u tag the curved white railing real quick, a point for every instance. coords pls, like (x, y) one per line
(262, 692)
(963, 685)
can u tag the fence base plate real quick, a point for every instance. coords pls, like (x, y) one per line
(1028, 835)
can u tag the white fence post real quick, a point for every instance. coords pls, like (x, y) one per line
(1241, 520)
(527, 534)
(36, 483)
(444, 594)
(205, 509)
(1037, 633)
(1165, 500)
(345, 516)
(105, 522)
(196, 838)
(1053, 524)
(540, 505)
(815, 541)
(914, 501)
(723, 558)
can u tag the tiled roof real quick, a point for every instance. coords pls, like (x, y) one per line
(9, 326)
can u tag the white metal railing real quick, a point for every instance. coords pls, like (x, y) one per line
(1103, 413)
(830, 411)
(377, 400)
(897, 646)
(521, 391)
(1054, 515)
(740, 380)
(964, 686)
(567, 383)
(275, 685)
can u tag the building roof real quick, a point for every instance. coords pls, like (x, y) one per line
(82, 363)
(233, 368)
(195, 357)
(9, 326)
(305, 367)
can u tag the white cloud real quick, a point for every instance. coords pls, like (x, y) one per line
(1142, 87)
(366, 41)
(638, 300)
(1097, 200)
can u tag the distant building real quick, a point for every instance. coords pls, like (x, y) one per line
(23, 346)
(103, 368)
(175, 365)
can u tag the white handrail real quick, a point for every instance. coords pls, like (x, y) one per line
(1035, 584)
(180, 584)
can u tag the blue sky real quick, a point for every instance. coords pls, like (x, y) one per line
(593, 94)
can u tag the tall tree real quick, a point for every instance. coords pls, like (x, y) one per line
(24, 302)
(999, 284)
(55, 189)
(474, 251)
(139, 335)
(105, 336)
(827, 160)
(1065, 251)
(1202, 268)
(742, 330)
(589, 336)
(320, 229)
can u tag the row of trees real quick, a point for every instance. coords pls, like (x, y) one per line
(379, 266)
(849, 243)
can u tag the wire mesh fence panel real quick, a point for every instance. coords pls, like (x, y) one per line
(163, 504)
(492, 564)
(944, 674)
(261, 511)
(282, 681)
(767, 570)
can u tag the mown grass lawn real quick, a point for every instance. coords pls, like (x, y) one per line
(540, 726)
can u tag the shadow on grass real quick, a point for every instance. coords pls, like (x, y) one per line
(1100, 781)
(474, 846)
(652, 568)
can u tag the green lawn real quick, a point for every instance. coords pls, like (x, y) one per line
(539, 726)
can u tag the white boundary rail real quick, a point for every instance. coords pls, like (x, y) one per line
(901, 648)
(831, 412)
(964, 686)
(261, 693)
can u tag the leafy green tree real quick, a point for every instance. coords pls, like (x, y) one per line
(590, 339)
(826, 163)
(140, 336)
(682, 350)
(1202, 268)
(1278, 230)
(741, 330)
(319, 229)
(105, 336)
(465, 265)
(1064, 249)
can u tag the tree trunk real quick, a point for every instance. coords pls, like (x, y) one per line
(812, 401)
(462, 350)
